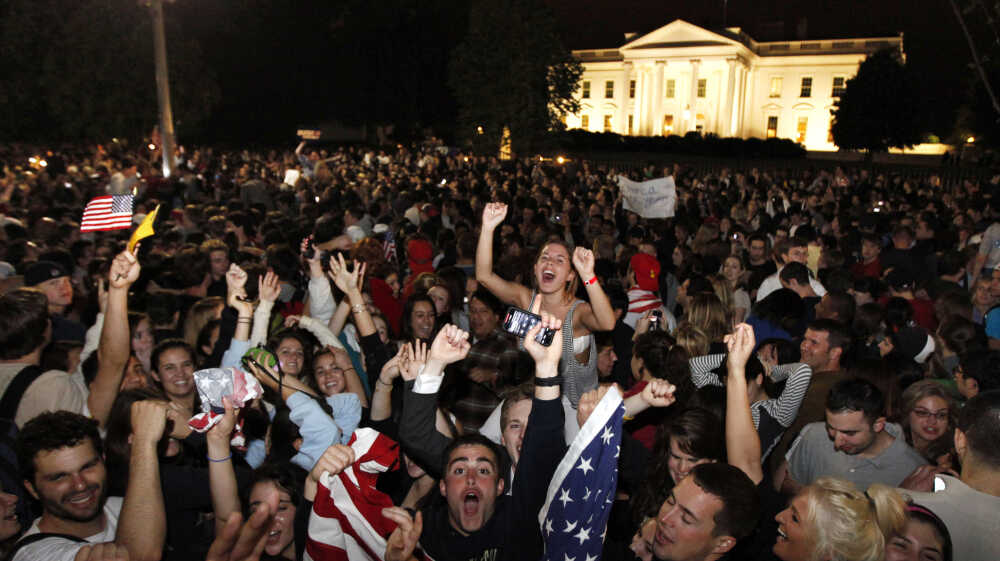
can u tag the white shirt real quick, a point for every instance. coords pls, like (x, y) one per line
(773, 283)
(59, 549)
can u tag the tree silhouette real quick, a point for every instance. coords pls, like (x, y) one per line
(879, 108)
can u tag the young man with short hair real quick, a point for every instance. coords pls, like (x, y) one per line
(706, 514)
(61, 459)
(788, 251)
(855, 443)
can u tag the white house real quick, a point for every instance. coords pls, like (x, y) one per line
(682, 78)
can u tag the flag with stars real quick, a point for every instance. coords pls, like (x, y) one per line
(389, 246)
(108, 212)
(575, 515)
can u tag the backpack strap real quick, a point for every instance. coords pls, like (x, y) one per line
(28, 540)
(15, 391)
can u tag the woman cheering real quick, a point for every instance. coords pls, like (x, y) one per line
(555, 281)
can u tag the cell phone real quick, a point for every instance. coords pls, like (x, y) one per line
(518, 322)
(311, 253)
(656, 320)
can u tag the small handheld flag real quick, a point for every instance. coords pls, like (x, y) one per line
(107, 212)
(144, 230)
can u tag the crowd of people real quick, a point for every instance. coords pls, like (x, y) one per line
(809, 358)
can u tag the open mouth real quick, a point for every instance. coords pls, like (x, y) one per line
(548, 276)
(782, 536)
(661, 538)
(470, 504)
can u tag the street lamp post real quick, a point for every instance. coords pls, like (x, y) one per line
(163, 89)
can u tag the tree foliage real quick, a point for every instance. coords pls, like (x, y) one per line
(89, 74)
(512, 71)
(879, 108)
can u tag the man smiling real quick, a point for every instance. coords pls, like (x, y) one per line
(61, 459)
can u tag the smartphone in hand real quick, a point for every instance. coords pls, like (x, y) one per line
(518, 322)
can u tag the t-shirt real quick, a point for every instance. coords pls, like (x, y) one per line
(990, 246)
(969, 515)
(52, 391)
(812, 456)
(61, 549)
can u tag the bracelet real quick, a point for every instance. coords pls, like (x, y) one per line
(593, 280)
(211, 459)
(549, 382)
(358, 308)
(351, 368)
(379, 380)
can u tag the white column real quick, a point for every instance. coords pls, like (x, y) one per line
(623, 109)
(726, 128)
(657, 121)
(692, 112)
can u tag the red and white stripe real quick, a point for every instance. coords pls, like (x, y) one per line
(346, 522)
(107, 212)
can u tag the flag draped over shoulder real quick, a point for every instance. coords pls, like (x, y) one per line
(578, 503)
(346, 521)
(655, 198)
(107, 212)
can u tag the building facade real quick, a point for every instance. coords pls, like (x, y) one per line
(682, 78)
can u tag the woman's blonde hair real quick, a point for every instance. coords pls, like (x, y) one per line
(848, 525)
(692, 339)
(709, 314)
(203, 311)
(725, 293)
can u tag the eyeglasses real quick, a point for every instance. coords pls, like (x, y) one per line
(941, 415)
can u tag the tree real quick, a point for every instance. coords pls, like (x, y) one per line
(879, 108)
(513, 72)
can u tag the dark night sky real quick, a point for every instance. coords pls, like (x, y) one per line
(933, 40)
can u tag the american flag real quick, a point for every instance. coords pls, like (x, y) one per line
(107, 212)
(574, 518)
(389, 246)
(346, 522)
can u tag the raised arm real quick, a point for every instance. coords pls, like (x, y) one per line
(508, 292)
(350, 282)
(113, 350)
(742, 442)
(142, 525)
(417, 427)
(382, 395)
(221, 477)
(598, 316)
(702, 367)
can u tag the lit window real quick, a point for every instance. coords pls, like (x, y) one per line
(839, 85)
(800, 128)
(585, 122)
(702, 86)
(609, 89)
(607, 123)
(772, 126)
(775, 86)
(671, 88)
(630, 124)
(699, 123)
(668, 125)
(586, 89)
(631, 89)
(807, 87)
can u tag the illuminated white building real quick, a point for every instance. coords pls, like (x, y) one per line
(682, 78)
